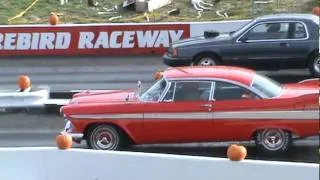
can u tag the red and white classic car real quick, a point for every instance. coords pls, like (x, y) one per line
(197, 104)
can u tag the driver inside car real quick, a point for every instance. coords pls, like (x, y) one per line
(248, 95)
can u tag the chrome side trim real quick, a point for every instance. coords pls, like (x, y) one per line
(307, 80)
(200, 115)
(108, 116)
(76, 135)
(289, 115)
(240, 115)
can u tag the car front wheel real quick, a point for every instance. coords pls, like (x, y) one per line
(105, 137)
(314, 65)
(273, 141)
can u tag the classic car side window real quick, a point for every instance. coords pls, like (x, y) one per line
(189, 91)
(267, 31)
(228, 91)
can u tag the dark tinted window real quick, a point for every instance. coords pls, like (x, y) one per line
(189, 91)
(228, 91)
(298, 31)
(267, 31)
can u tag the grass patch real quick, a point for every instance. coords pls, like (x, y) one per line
(77, 11)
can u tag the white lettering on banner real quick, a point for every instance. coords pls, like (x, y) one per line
(47, 41)
(1, 39)
(114, 39)
(163, 39)
(85, 40)
(63, 40)
(128, 38)
(175, 36)
(9, 40)
(34, 41)
(89, 40)
(102, 41)
(144, 39)
(23, 41)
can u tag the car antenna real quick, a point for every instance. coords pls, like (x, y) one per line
(179, 69)
(127, 98)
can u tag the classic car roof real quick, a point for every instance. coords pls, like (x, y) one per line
(238, 74)
(292, 16)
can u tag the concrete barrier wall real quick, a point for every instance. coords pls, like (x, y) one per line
(78, 164)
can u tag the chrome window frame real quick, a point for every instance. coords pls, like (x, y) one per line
(165, 90)
(175, 80)
(271, 40)
(213, 86)
(252, 90)
(260, 94)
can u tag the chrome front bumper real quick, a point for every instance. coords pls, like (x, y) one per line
(76, 137)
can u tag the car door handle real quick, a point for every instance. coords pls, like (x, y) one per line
(206, 105)
(284, 44)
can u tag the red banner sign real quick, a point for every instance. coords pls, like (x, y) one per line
(90, 40)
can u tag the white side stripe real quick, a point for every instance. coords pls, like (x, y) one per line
(204, 115)
(288, 115)
(267, 115)
(108, 116)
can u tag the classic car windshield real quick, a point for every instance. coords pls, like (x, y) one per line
(155, 91)
(267, 86)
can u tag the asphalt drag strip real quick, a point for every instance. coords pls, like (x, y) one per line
(32, 130)
(301, 151)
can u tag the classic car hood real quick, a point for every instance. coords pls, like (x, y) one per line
(103, 96)
(97, 92)
(200, 40)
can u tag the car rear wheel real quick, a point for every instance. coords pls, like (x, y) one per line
(314, 65)
(105, 137)
(273, 141)
(206, 60)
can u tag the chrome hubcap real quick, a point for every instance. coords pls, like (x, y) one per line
(207, 62)
(272, 139)
(316, 65)
(105, 139)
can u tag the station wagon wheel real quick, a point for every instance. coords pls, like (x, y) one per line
(273, 141)
(206, 60)
(105, 137)
(314, 65)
